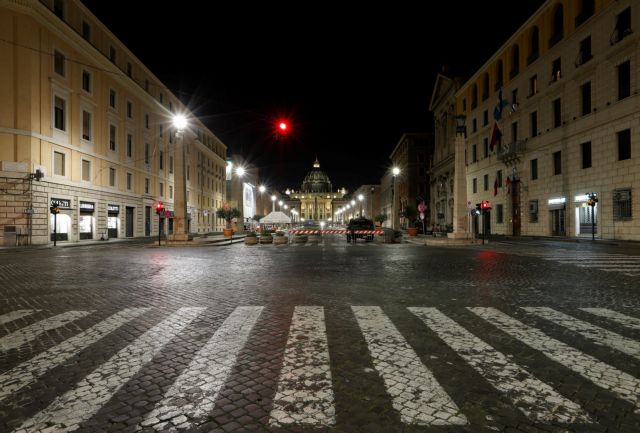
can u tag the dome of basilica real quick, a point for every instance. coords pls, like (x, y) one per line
(316, 180)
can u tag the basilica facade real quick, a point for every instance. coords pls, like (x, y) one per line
(316, 199)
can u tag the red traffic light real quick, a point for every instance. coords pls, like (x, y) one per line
(485, 204)
(159, 207)
(283, 126)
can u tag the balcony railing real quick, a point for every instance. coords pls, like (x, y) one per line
(510, 151)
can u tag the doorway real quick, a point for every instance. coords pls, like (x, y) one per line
(587, 222)
(129, 221)
(557, 222)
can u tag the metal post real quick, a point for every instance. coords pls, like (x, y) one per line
(55, 226)
(159, 228)
(484, 226)
(593, 222)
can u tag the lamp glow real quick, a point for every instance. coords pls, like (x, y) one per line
(180, 122)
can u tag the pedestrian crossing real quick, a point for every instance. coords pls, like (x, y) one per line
(608, 262)
(303, 393)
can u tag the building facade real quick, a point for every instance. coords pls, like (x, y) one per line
(552, 117)
(412, 155)
(442, 171)
(82, 114)
(315, 199)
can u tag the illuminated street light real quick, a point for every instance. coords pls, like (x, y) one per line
(360, 199)
(262, 188)
(396, 172)
(273, 203)
(180, 230)
(240, 171)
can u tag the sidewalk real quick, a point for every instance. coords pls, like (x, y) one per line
(198, 240)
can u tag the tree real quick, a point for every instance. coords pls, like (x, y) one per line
(258, 217)
(381, 218)
(410, 213)
(228, 213)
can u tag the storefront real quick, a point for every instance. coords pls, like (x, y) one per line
(557, 209)
(586, 216)
(112, 220)
(86, 222)
(60, 224)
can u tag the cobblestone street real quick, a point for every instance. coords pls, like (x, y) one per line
(514, 336)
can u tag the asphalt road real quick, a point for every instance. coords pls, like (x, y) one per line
(519, 336)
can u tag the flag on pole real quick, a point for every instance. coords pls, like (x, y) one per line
(501, 103)
(496, 136)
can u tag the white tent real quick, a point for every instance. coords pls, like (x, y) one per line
(276, 218)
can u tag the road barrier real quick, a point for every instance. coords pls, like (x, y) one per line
(336, 232)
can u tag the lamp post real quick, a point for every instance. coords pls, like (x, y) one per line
(593, 200)
(280, 205)
(273, 203)
(180, 231)
(360, 199)
(394, 194)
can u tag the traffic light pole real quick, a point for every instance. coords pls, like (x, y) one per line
(484, 226)
(55, 226)
(159, 229)
(593, 222)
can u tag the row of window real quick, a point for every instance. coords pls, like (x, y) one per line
(59, 66)
(622, 28)
(624, 91)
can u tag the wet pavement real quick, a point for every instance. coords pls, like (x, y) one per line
(513, 336)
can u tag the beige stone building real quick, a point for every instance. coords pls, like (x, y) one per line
(569, 121)
(442, 171)
(79, 108)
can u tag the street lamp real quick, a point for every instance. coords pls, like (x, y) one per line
(395, 171)
(240, 171)
(593, 200)
(280, 205)
(180, 231)
(273, 203)
(360, 199)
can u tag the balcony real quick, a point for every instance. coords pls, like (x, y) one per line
(511, 152)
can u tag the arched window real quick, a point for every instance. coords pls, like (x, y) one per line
(515, 61)
(499, 74)
(485, 86)
(474, 96)
(557, 25)
(587, 9)
(534, 45)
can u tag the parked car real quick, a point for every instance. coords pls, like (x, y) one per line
(357, 224)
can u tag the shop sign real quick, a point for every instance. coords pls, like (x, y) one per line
(61, 202)
(87, 206)
(167, 214)
(113, 208)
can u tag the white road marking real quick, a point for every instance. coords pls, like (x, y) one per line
(592, 332)
(305, 394)
(416, 393)
(15, 315)
(31, 332)
(603, 375)
(623, 319)
(29, 371)
(534, 398)
(194, 393)
(68, 411)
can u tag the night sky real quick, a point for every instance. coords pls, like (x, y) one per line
(350, 79)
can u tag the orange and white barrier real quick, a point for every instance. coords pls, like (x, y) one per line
(336, 232)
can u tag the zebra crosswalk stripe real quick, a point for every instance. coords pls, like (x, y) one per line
(304, 394)
(31, 332)
(623, 319)
(415, 392)
(15, 315)
(206, 374)
(29, 371)
(534, 398)
(592, 332)
(603, 375)
(66, 412)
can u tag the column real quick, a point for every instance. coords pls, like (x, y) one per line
(180, 192)
(460, 210)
